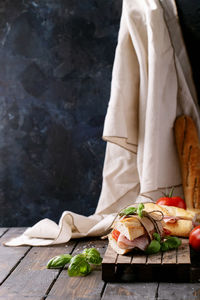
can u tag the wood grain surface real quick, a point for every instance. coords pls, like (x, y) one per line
(88, 287)
(29, 278)
(172, 265)
(24, 275)
(128, 291)
(10, 256)
(3, 230)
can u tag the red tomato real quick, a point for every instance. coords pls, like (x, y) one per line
(194, 238)
(172, 201)
(115, 234)
(166, 231)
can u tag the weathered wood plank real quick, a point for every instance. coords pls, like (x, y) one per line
(11, 297)
(181, 291)
(31, 278)
(169, 257)
(10, 256)
(88, 287)
(171, 266)
(183, 253)
(124, 259)
(183, 262)
(100, 245)
(108, 265)
(130, 291)
(110, 256)
(139, 259)
(2, 231)
(154, 258)
(123, 267)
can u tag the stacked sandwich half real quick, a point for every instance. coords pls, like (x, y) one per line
(135, 229)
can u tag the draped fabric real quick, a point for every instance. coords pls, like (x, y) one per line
(151, 85)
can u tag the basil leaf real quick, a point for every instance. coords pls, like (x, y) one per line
(164, 247)
(140, 209)
(132, 210)
(157, 237)
(79, 266)
(59, 261)
(128, 211)
(173, 242)
(154, 247)
(92, 256)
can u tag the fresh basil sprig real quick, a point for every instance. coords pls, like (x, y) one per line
(59, 261)
(92, 255)
(154, 247)
(157, 237)
(140, 209)
(128, 211)
(79, 264)
(169, 243)
(132, 210)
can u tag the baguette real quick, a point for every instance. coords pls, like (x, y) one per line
(188, 146)
(171, 211)
(181, 228)
(184, 219)
(130, 227)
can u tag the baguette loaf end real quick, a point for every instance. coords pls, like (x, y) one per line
(188, 147)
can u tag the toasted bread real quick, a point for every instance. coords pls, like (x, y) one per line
(181, 228)
(130, 227)
(171, 211)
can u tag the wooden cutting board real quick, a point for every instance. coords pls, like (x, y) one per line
(170, 266)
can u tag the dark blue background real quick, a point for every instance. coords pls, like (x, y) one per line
(56, 61)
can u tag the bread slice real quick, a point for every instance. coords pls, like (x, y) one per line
(196, 212)
(115, 247)
(188, 146)
(130, 227)
(171, 211)
(181, 228)
(180, 212)
(150, 206)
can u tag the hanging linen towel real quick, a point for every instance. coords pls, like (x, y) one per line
(151, 85)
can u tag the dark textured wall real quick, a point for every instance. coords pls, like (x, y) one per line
(189, 14)
(56, 61)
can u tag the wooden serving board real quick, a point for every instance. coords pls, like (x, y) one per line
(170, 266)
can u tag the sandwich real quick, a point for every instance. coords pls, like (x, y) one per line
(134, 228)
(176, 221)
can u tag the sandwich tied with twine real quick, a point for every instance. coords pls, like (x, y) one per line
(137, 228)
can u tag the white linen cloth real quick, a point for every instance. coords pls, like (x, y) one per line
(151, 86)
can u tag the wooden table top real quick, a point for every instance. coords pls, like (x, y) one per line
(23, 275)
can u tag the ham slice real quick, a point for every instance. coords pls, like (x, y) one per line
(170, 219)
(141, 242)
(173, 220)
